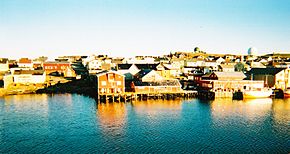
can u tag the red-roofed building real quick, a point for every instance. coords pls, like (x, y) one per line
(25, 62)
(59, 67)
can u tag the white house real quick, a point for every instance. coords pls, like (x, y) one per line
(220, 60)
(4, 64)
(127, 68)
(25, 63)
(149, 76)
(95, 64)
(25, 77)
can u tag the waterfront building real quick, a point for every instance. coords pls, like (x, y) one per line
(225, 76)
(56, 66)
(272, 77)
(25, 77)
(110, 82)
(150, 81)
(225, 83)
(161, 86)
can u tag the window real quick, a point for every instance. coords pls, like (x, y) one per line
(103, 83)
(119, 83)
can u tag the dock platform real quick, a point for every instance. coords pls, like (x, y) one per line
(133, 96)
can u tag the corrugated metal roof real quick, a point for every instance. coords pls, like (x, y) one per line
(33, 72)
(159, 83)
(230, 74)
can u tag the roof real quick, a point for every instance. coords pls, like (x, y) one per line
(142, 73)
(56, 62)
(147, 66)
(3, 60)
(206, 75)
(265, 71)
(159, 83)
(33, 72)
(106, 72)
(227, 65)
(25, 60)
(230, 74)
(124, 66)
(170, 67)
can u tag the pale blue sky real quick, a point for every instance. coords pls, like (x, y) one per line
(149, 27)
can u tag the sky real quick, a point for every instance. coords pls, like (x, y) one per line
(142, 27)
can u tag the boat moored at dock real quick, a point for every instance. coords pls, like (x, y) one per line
(287, 93)
(258, 93)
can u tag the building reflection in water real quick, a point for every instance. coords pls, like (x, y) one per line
(154, 107)
(253, 110)
(112, 118)
(29, 103)
(156, 113)
(281, 113)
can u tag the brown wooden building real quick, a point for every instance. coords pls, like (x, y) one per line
(110, 82)
(162, 86)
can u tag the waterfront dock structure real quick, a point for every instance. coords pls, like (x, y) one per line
(131, 96)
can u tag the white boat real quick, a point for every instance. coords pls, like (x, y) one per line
(287, 93)
(258, 93)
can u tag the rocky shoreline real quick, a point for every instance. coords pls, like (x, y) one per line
(83, 87)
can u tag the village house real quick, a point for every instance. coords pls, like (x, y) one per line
(177, 62)
(25, 77)
(272, 77)
(4, 65)
(56, 67)
(149, 81)
(76, 71)
(12, 63)
(194, 62)
(95, 64)
(224, 76)
(148, 75)
(220, 60)
(118, 60)
(140, 60)
(227, 67)
(25, 63)
(211, 64)
(110, 82)
(167, 70)
(127, 68)
(228, 82)
(134, 68)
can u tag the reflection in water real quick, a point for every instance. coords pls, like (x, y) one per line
(281, 115)
(26, 102)
(154, 107)
(112, 117)
(251, 109)
(74, 123)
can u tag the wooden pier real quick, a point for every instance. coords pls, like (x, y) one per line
(133, 96)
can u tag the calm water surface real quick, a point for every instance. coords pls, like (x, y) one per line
(74, 123)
